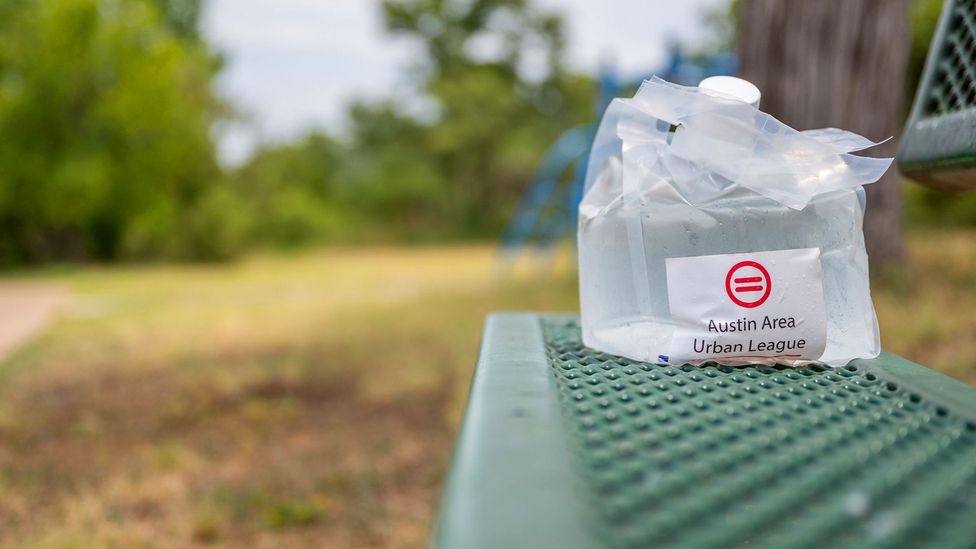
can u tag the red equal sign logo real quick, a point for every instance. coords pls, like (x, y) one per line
(748, 284)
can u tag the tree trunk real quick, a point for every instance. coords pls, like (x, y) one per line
(823, 63)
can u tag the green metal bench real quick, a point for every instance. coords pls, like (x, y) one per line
(938, 147)
(563, 446)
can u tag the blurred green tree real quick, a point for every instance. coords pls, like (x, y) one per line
(392, 178)
(493, 95)
(291, 189)
(105, 116)
(500, 95)
(182, 16)
(925, 17)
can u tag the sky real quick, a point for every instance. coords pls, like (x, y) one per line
(293, 65)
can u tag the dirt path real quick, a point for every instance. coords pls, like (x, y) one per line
(26, 308)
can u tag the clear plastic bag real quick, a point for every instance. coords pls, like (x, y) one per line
(710, 231)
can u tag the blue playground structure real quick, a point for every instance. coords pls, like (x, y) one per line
(546, 213)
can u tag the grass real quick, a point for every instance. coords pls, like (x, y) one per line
(306, 400)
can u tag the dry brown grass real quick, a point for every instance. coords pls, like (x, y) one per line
(303, 401)
(927, 312)
(308, 400)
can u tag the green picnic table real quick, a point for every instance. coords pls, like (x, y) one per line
(566, 447)
(562, 446)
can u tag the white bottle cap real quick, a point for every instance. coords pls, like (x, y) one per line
(743, 90)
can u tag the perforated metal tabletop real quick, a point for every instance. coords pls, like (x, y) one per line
(563, 446)
(939, 144)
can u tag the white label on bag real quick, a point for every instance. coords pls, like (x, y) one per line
(745, 307)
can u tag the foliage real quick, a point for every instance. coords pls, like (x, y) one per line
(107, 110)
(181, 16)
(105, 114)
(497, 96)
(925, 18)
(290, 192)
(392, 181)
(721, 23)
(494, 69)
(931, 208)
